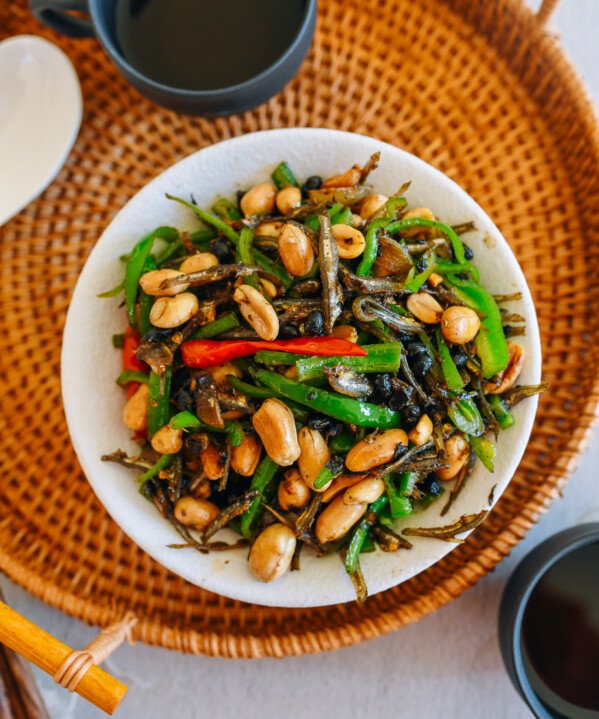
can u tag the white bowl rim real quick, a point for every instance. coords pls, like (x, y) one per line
(128, 517)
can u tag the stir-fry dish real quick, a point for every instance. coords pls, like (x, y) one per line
(316, 363)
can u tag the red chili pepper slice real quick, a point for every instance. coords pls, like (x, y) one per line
(208, 353)
(130, 344)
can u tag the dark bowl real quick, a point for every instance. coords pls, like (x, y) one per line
(513, 605)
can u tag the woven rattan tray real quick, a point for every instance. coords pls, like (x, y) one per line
(478, 89)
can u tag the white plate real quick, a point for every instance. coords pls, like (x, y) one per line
(40, 115)
(94, 403)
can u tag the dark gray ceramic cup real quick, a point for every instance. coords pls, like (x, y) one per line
(100, 22)
(513, 605)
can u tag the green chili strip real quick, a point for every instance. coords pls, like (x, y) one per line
(380, 358)
(163, 462)
(359, 536)
(273, 357)
(145, 301)
(502, 414)
(466, 417)
(325, 476)
(200, 239)
(158, 400)
(221, 324)
(372, 245)
(188, 420)
(415, 281)
(282, 176)
(490, 342)
(346, 409)
(264, 474)
(244, 255)
(399, 505)
(113, 292)
(343, 217)
(226, 209)
(456, 243)
(484, 449)
(407, 482)
(451, 373)
(314, 224)
(118, 341)
(248, 389)
(209, 219)
(342, 443)
(136, 263)
(125, 377)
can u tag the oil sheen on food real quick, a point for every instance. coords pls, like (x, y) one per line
(561, 627)
(205, 44)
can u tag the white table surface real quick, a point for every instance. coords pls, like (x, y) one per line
(447, 665)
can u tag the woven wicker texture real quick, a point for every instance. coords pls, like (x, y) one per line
(479, 90)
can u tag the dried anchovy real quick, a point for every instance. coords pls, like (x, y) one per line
(156, 354)
(347, 382)
(332, 300)
(513, 297)
(295, 560)
(222, 484)
(367, 309)
(511, 316)
(234, 403)
(405, 367)
(206, 399)
(448, 534)
(373, 285)
(345, 195)
(175, 481)
(211, 546)
(510, 331)
(121, 457)
(288, 303)
(487, 412)
(491, 496)
(220, 272)
(306, 518)
(405, 459)
(388, 540)
(239, 334)
(306, 287)
(522, 391)
(233, 510)
(460, 483)
(464, 227)
(357, 580)
(371, 165)
(288, 520)
(417, 248)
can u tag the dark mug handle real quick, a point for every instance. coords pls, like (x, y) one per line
(55, 14)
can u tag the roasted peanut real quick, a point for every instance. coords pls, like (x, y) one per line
(457, 452)
(245, 457)
(269, 228)
(421, 212)
(425, 308)
(260, 200)
(198, 262)
(169, 312)
(295, 250)
(349, 178)
(345, 332)
(135, 412)
(213, 462)
(368, 490)
(258, 311)
(291, 372)
(422, 432)
(220, 372)
(356, 220)
(288, 199)
(150, 283)
(434, 279)
(195, 513)
(374, 450)
(350, 242)
(167, 440)
(276, 427)
(268, 288)
(510, 374)
(272, 552)
(337, 519)
(343, 481)
(293, 492)
(459, 324)
(314, 455)
(371, 203)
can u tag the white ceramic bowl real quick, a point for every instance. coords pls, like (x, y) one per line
(93, 402)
